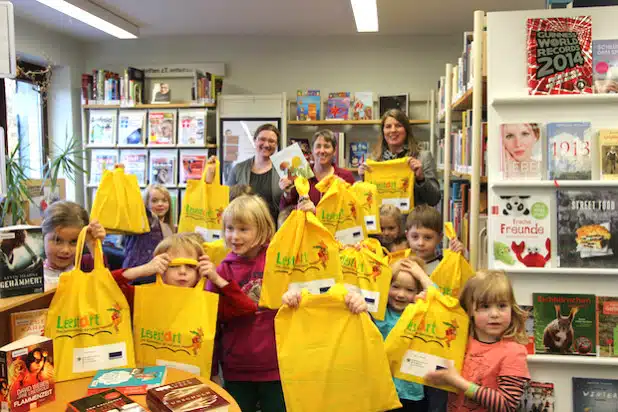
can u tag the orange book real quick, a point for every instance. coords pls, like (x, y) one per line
(31, 322)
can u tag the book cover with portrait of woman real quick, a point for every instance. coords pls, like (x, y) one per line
(522, 157)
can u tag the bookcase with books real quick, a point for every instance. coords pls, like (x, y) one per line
(552, 195)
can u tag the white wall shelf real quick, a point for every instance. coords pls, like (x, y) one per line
(556, 99)
(563, 271)
(568, 360)
(509, 184)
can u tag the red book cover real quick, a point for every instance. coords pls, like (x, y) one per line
(186, 396)
(560, 55)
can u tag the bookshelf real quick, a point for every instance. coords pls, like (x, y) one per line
(186, 105)
(345, 122)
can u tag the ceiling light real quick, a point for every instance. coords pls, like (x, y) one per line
(94, 16)
(365, 15)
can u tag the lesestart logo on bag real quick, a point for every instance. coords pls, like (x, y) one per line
(338, 218)
(351, 264)
(440, 332)
(90, 323)
(302, 261)
(206, 215)
(392, 186)
(160, 339)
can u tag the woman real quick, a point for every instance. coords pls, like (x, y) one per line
(324, 148)
(396, 142)
(258, 171)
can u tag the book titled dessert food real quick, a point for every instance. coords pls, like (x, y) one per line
(21, 260)
(569, 151)
(106, 401)
(186, 396)
(26, 323)
(522, 155)
(595, 395)
(129, 381)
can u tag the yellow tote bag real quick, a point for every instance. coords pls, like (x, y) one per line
(340, 211)
(453, 271)
(398, 255)
(302, 254)
(216, 251)
(118, 202)
(89, 320)
(429, 335)
(180, 333)
(347, 368)
(203, 206)
(394, 181)
(367, 195)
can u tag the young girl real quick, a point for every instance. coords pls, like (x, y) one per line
(495, 368)
(62, 222)
(393, 236)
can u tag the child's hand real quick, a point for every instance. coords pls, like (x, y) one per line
(422, 295)
(208, 270)
(158, 265)
(211, 169)
(355, 302)
(413, 268)
(306, 206)
(291, 298)
(95, 231)
(455, 245)
(449, 377)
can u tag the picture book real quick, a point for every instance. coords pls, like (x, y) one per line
(529, 310)
(191, 165)
(102, 130)
(21, 260)
(399, 102)
(305, 146)
(587, 228)
(161, 128)
(135, 163)
(26, 323)
(538, 397)
(191, 127)
(569, 151)
(308, 103)
(608, 152)
(522, 227)
(291, 163)
(163, 166)
(161, 93)
(566, 69)
(27, 374)
(522, 154)
(186, 395)
(565, 324)
(129, 381)
(362, 106)
(607, 326)
(358, 153)
(605, 66)
(338, 106)
(131, 128)
(595, 395)
(109, 400)
(100, 161)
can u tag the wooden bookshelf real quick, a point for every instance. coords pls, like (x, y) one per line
(345, 122)
(465, 101)
(186, 105)
(461, 176)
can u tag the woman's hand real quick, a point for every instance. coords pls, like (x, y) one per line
(363, 168)
(206, 269)
(417, 167)
(355, 302)
(291, 298)
(286, 185)
(306, 205)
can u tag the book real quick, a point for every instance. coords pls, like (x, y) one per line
(529, 310)
(109, 400)
(607, 326)
(362, 106)
(587, 228)
(308, 103)
(161, 127)
(523, 231)
(186, 395)
(569, 151)
(135, 163)
(21, 260)
(191, 127)
(608, 153)
(522, 156)
(595, 395)
(538, 397)
(100, 161)
(102, 128)
(565, 324)
(605, 66)
(131, 127)
(191, 165)
(290, 162)
(338, 106)
(305, 146)
(133, 86)
(26, 323)
(27, 374)
(129, 381)
(174, 211)
(358, 153)
(161, 93)
(163, 167)
(559, 70)
(399, 102)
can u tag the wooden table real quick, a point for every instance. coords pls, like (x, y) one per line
(71, 390)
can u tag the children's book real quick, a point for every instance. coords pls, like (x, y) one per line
(529, 310)
(308, 104)
(523, 231)
(131, 128)
(595, 395)
(186, 395)
(100, 161)
(109, 400)
(358, 153)
(163, 167)
(130, 381)
(569, 151)
(559, 70)
(191, 127)
(291, 163)
(338, 106)
(102, 128)
(191, 165)
(135, 163)
(362, 106)
(522, 154)
(608, 154)
(605, 66)
(161, 127)
(399, 101)
(537, 397)
(26, 323)
(587, 228)
(607, 326)
(21, 260)
(565, 324)
(305, 146)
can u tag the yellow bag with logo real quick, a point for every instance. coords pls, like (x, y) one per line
(367, 195)
(398, 255)
(430, 334)
(453, 271)
(367, 273)
(340, 211)
(395, 182)
(118, 202)
(203, 206)
(179, 334)
(302, 254)
(347, 368)
(216, 251)
(89, 320)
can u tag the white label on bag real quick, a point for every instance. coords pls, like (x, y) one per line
(371, 223)
(177, 365)
(403, 203)
(99, 357)
(371, 297)
(315, 287)
(209, 235)
(420, 364)
(350, 236)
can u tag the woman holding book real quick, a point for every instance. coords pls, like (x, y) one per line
(397, 141)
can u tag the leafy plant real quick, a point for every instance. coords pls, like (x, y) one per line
(64, 161)
(17, 192)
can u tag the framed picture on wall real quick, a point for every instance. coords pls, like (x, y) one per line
(399, 101)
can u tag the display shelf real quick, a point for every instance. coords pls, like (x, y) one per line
(563, 271)
(508, 184)
(573, 360)
(104, 146)
(10, 303)
(346, 122)
(555, 99)
(464, 102)
(184, 105)
(467, 176)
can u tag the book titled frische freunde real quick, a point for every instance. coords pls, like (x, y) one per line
(569, 151)
(595, 395)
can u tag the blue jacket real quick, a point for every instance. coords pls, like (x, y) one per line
(139, 248)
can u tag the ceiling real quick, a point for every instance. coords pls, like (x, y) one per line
(272, 17)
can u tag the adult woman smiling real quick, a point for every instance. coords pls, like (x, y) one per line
(397, 141)
(258, 171)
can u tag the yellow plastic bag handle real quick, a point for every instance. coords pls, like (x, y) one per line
(216, 180)
(302, 186)
(449, 230)
(98, 250)
(182, 261)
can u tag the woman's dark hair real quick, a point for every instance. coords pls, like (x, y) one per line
(325, 134)
(402, 118)
(267, 127)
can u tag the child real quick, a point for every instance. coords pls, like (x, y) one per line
(393, 236)
(62, 223)
(238, 190)
(495, 369)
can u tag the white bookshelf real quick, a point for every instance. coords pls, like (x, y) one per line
(509, 102)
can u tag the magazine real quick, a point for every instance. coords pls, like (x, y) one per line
(608, 153)
(362, 106)
(308, 104)
(163, 166)
(605, 64)
(291, 163)
(101, 160)
(338, 106)
(569, 151)
(131, 127)
(191, 127)
(537, 397)
(135, 163)
(161, 128)
(191, 165)
(102, 128)
(522, 156)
